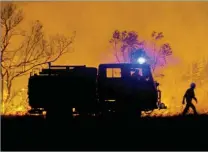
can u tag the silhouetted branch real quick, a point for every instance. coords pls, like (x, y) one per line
(126, 43)
(34, 51)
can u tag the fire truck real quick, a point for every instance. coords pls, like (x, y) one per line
(120, 88)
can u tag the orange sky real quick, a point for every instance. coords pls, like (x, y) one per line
(184, 25)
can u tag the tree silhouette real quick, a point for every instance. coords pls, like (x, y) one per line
(33, 51)
(125, 44)
(158, 54)
(197, 72)
(204, 74)
(204, 71)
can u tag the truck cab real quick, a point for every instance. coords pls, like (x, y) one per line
(127, 86)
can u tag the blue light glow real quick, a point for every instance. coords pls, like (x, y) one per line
(141, 60)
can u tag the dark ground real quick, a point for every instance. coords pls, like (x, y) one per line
(170, 133)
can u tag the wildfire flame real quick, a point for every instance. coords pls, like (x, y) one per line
(172, 87)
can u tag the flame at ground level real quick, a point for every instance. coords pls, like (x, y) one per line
(170, 111)
(21, 110)
(172, 87)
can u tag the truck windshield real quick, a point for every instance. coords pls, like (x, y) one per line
(140, 73)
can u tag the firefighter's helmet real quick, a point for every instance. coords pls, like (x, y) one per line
(193, 85)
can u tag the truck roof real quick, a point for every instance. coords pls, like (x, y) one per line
(120, 65)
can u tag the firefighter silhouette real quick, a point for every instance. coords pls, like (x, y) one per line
(188, 96)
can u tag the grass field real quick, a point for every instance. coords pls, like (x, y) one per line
(92, 133)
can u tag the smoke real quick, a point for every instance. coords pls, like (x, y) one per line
(184, 25)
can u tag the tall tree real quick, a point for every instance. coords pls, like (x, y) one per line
(125, 44)
(33, 51)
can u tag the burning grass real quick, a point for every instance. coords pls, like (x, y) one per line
(22, 109)
(173, 86)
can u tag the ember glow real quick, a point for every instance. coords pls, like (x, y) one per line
(184, 25)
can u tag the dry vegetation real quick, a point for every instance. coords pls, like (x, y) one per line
(34, 50)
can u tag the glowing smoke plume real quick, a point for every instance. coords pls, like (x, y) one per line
(184, 24)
